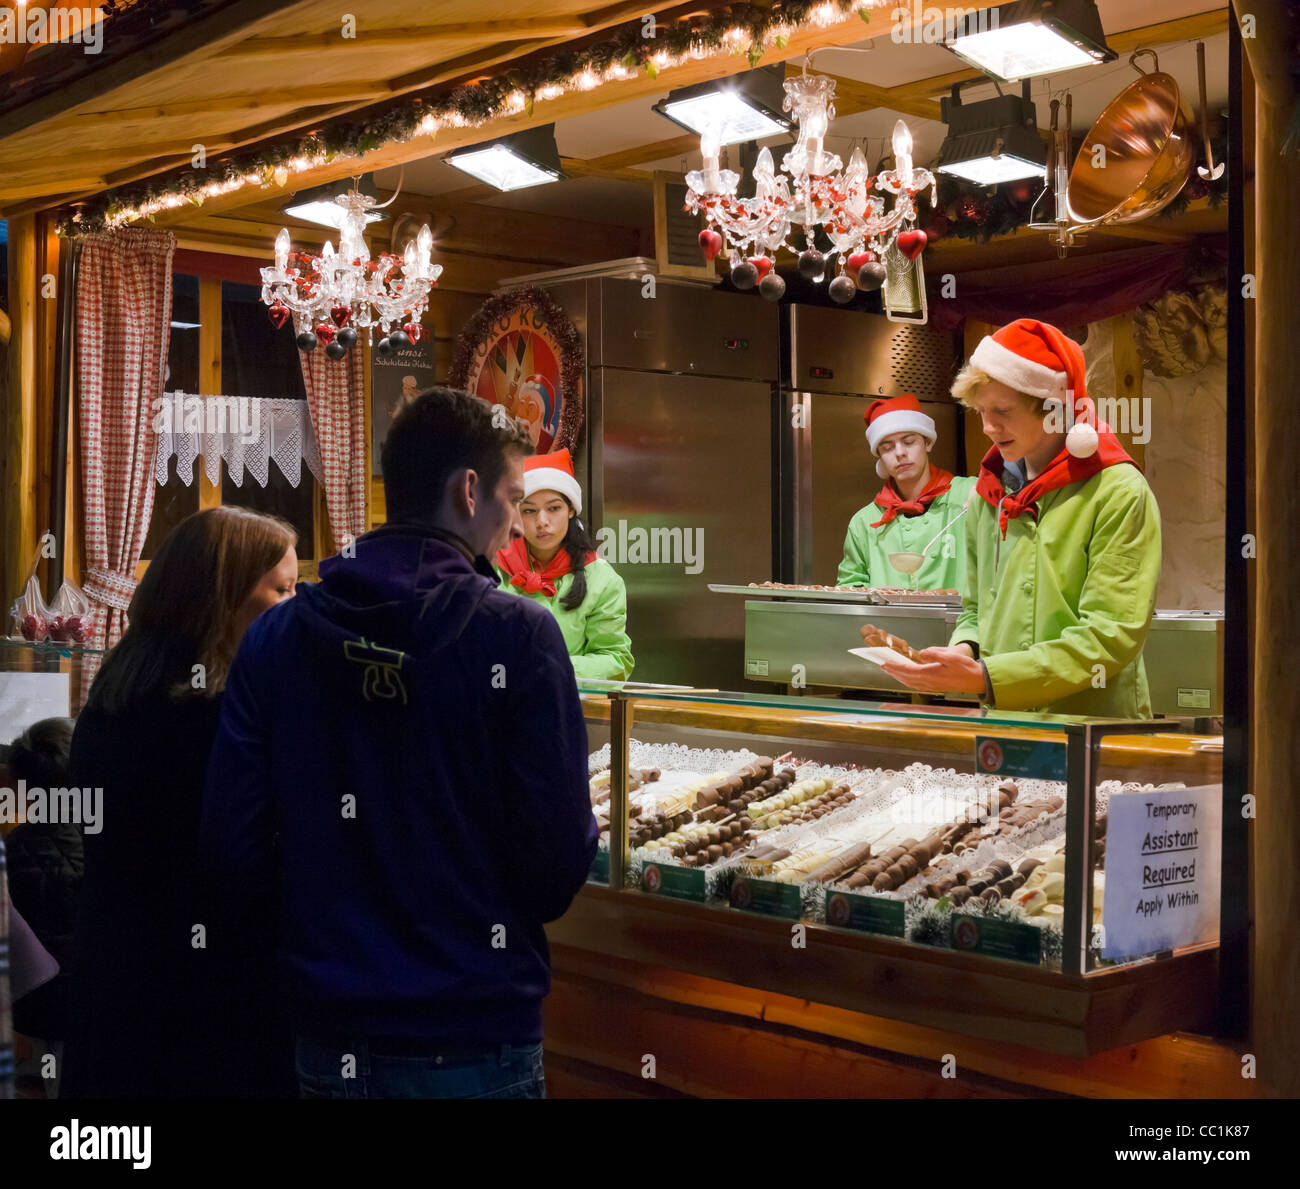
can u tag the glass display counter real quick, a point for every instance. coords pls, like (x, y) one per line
(1075, 857)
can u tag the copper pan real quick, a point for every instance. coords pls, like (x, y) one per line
(1149, 142)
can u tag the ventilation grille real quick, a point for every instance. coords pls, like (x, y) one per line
(682, 228)
(921, 360)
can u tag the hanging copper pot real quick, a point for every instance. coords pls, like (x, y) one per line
(1149, 145)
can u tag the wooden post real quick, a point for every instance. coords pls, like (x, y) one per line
(209, 370)
(1276, 744)
(19, 461)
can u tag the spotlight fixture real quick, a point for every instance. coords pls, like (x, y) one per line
(318, 204)
(1031, 37)
(514, 162)
(991, 141)
(741, 108)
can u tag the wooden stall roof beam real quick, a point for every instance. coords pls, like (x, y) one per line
(491, 31)
(201, 39)
(502, 50)
(563, 107)
(474, 229)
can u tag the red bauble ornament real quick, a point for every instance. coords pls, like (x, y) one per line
(710, 243)
(857, 260)
(763, 264)
(279, 314)
(339, 315)
(936, 226)
(912, 243)
(325, 332)
(1022, 191)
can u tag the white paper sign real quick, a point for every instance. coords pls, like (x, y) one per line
(1162, 870)
(26, 698)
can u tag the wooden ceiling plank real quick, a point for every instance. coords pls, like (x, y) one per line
(24, 199)
(193, 42)
(306, 116)
(676, 146)
(497, 31)
(432, 75)
(250, 101)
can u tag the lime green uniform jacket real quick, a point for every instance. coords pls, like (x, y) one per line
(595, 632)
(867, 549)
(1062, 614)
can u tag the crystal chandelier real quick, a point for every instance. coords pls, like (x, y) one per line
(850, 206)
(336, 294)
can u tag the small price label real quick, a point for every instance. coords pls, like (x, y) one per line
(680, 883)
(867, 914)
(997, 939)
(1032, 758)
(767, 896)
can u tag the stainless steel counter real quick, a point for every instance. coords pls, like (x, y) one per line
(797, 637)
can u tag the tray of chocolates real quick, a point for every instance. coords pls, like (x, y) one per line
(876, 596)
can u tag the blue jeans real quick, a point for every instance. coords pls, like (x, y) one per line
(495, 1071)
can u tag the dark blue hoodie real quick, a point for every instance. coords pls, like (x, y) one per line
(402, 750)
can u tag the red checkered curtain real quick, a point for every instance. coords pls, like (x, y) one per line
(336, 401)
(124, 303)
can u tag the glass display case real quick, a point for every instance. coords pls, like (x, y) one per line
(1081, 851)
(42, 681)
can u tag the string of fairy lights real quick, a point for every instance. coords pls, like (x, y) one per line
(751, 30)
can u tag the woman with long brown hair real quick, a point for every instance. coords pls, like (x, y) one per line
(148, 983)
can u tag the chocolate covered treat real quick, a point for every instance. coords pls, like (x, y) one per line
(875, 637)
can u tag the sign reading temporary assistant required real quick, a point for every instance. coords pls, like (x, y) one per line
(1162, 870)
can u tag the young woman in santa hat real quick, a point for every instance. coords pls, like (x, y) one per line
(918, 501)
(1063, 552)
(555, 564)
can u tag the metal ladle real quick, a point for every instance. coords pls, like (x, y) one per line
(908, 562)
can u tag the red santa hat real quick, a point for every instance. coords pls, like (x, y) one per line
(1041, 361)
(552, 472)
(898, 414)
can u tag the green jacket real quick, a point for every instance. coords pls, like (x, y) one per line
(595, 632)
(1061, 616)
(867, 549)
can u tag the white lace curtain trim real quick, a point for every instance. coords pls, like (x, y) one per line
(244, 431)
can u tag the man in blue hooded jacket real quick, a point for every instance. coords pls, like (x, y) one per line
(401, 772)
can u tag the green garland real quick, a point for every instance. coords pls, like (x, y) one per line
(476, 103)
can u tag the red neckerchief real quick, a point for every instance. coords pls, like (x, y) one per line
(1063, 470)
(893, 503)
(518, 567)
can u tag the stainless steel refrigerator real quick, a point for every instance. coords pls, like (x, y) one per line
(834, 363)
(677, 462)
